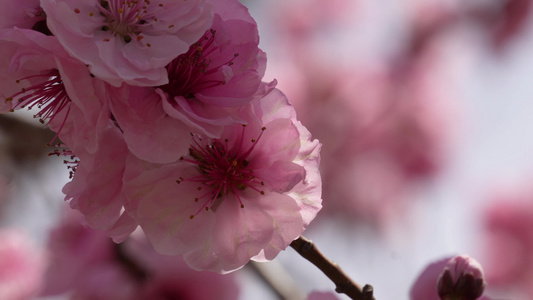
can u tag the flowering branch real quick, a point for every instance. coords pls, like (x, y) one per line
(344, 285)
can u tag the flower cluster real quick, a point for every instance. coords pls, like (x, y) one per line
(161, 113)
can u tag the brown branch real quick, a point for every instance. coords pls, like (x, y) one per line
(344, 285)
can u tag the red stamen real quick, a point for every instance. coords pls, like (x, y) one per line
(49, 96)
(189, 72)
(223, 171)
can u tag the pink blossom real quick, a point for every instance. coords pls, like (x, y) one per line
(300, 19)
(95, 190)
(21, 265)
(385, 125)
(127, 41)
(510, 21)
(87, 117)
(207, 87)
(83, 263)
(29, 60)
(459, 277)
(86, 264)
(244, 195)
(509, 242)
(148, 131)
(39, 75)
(222, 70)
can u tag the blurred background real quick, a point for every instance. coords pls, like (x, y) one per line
(424, 109)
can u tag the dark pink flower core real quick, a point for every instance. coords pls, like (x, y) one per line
(222, 170)
(127, 19)
(190, 72)
(49, 96)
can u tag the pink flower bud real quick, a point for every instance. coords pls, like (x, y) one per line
(462, 279)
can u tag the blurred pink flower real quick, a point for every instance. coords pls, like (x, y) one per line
(168, 277)
(21, 265)
(127, 41)
(300, 19)
(245, 195)
(459, 277)
(509, 245)
(462, 278)
(148, 131)
(85, 264)
(222, 70)
(389, 131)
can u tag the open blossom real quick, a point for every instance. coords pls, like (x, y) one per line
(384, 136)
(83, 263)
(29, 73)
(455, 278)
(168, 277)
(244, 195)
(21, 265)
(86, 264)
(39, 75)
(222, 70)
(127, 41)
(220, 73)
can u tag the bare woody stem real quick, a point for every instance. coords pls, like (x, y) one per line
(344, 285)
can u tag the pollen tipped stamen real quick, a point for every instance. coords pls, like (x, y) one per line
(49, 96)
(254, 143)
(237, 195)
(127, 18)
(223, 171)
(209, 203)
(187, 73)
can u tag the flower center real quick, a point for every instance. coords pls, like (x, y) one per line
(222, 170)
(190, 72)
(49, 96)
(126, 19)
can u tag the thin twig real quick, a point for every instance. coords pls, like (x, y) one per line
(344, 285)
